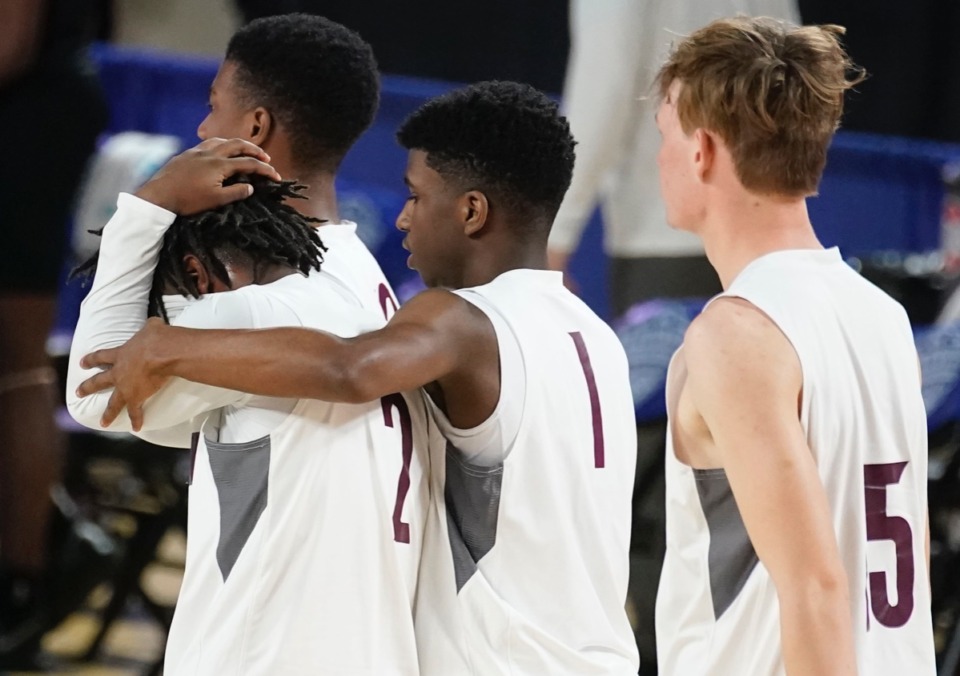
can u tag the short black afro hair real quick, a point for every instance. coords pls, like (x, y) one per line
(318, 78)
(505, 139)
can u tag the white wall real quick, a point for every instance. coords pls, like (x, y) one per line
(195, 26)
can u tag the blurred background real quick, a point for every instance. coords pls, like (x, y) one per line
(128, 81)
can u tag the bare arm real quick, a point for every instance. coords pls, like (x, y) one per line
(745, 380)
(437, 336)
(21, 21)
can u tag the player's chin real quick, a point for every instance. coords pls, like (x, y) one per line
(427, 277)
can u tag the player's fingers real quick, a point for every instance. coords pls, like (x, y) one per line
(248, 165)
(136, 416)
(235, 192)
(101, 358)
(208, 144)
(114, 407)
(237, 147)
(98, 383)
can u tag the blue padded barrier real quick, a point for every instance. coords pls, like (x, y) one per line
(881, 193)
(651, 332)
(939, 350)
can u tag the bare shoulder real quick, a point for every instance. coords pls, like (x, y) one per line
(432, 301)
(445, 311)
(733, 344)
(729, 327)
(458, 341)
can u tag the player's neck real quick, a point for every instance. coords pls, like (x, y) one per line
(737, 231)
(488, 263)
(267, 274)
(321, 197)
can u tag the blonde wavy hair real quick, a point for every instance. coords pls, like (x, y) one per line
(772, 91)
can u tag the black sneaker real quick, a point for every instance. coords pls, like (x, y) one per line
(82, 555)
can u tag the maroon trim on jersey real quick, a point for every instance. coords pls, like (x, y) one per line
(386, 298)
(598, 459)
(401, 529)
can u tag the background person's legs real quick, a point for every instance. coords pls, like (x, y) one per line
(30, 443)
(54, 118)
(31, 453)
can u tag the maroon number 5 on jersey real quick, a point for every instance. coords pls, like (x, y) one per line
(882, 526)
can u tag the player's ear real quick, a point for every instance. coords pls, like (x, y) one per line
(197, 272)
(705, 152)
(474, 210)
(260, 125)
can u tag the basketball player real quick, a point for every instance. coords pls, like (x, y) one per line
(304, 88)
(258, 95)
(305, 518)
(797, 457)
(525, 564)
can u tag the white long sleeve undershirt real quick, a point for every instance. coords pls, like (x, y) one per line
(115, 309)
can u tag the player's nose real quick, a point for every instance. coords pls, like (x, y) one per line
(403, 219)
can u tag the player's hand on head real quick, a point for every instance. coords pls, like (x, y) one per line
(132, 370)
(193, 181)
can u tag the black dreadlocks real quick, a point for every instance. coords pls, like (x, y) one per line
(261, 230)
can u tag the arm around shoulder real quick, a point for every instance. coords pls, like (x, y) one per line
(428, 338)
(169, 414)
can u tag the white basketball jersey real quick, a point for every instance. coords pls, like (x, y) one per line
(525, 560)
(861, 410)
(304, 545)
(350, 264)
